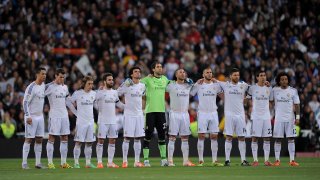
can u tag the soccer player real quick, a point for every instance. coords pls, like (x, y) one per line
(58, 124)
(286, 101)
(208, 121)
(261, 118)
(133, 124)
(106, 101)
(179, 120)
(33, 101)
(155, 111)
(234, 95)
(84, 100)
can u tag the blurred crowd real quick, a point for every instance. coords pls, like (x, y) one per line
(274, 35)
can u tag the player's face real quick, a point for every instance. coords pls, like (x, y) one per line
(284, 81)
(181, 75)
(60, 78)
(109, 82)
(235, 77)
(88, 86)
(207, 74)
(158, 69)
(42, 75)
(262, 77)
(136, 74)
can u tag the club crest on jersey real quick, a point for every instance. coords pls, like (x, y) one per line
(267, 91)
(241, 87)
(288, 95)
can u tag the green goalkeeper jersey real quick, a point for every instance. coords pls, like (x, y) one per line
(155, 93)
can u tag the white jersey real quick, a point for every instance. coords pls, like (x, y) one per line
(207, 94)
(57, 99)
(260, 102)
(33, 100)
(179, 96)
(133, 98)
(106, 101)
(84, 102)
(234, 95)
(284, 100)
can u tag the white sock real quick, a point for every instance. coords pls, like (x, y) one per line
(227, 149)
(88, 153)
(291, 149)
(125, 149)
(214, 149)
(185, 151)
(50, 150)
(254, 148)
(37, 151)
(25, 152)
(99, 150)
(76, 153)
(137, 150)
(277, 150)
(111, 150)
(63, 151)
(200, 147)
(171, 149)
(242, 149)
(266, 149)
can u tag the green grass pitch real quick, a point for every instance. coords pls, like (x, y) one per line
(309, 169)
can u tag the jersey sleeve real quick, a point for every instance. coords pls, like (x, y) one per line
(145, 80)
(48, 89)
(122, 89)
(296, 99)
(74, 97)
(271, 98)
(28, 96)
(194, 89)
(169, 87)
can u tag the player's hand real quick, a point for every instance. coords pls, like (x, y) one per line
(29, 121)
(267, 83)
(200, 81)
(128, 82)
(189, 81)
(150, 75)
(214, 80)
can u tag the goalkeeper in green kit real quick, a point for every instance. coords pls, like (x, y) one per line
(155, 112)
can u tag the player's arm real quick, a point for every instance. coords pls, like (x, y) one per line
(296, 102)
(70, 103)
(28, 96)
(47, 90)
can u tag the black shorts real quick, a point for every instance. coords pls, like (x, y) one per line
(155, 120)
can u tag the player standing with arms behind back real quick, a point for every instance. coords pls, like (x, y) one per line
(261, 118)
(234, 94)
(286, 100)
(106, 101)
(33, 101)
(155, 112)
(59, 124)
(84, 99)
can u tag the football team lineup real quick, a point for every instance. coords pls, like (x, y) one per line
(139, 122)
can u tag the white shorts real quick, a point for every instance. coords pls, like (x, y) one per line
(36, 129)
(85, 133)
(208, 122)
(261, 128)
(59, 126)
(284, 128)
(235, 124)
(179, 123)
(133, 126)
(107, 130)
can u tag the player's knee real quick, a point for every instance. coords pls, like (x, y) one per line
(290, 140)
(254, 139)
(64, 138)
(89, 144)
(28, 140)
(38, 140)
(201, 136)
(241, 138)
(184, 138)
(51, 138)
(266, 139)
(146, 144)
(162, 142)
(172, 138)
(112, 140)
(229, 138)
(214, 136)
(100, 141)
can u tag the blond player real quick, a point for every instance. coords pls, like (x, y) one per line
(84, 100)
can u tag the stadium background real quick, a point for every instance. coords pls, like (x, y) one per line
(118, 34)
